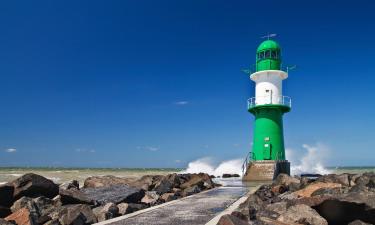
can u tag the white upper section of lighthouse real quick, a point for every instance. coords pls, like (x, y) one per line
(268, 86)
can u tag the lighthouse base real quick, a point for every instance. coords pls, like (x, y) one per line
(266, 170)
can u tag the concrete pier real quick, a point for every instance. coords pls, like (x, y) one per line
(196, 209)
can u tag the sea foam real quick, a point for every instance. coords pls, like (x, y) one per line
(206, 165)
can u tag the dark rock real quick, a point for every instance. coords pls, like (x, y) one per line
(358, 222)
(43, 219)
(362, 180)
(265, 193)
(267, 213)
(167, 183)
(227, 175)
(342, 179)
(358, 188)
(44, 205)
(293, 187)
(285, 180)
(106, 212)
(202, 180)
(348, 207)
(126, 208)
(239, 215)
(105, 181)
(40, 206)
(6, 195)
(302, 214)
(251, 206)
(115, 194)
(279, 207)
(74, 196)
(53, 222)
(74, 184)
(311, 175)
(22, 203)
(279, 189)
(191, 190)
(146, 182)
(371, 183)
(5, 222)
(231, 220)
(24, 216)
(4, 211)
(76, 215)
(288, 196)
(33, 185)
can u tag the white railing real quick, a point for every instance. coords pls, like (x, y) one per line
(269, 100)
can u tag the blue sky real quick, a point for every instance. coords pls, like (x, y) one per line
(159, 83)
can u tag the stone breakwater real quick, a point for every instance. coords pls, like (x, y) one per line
(35, 200)
(330, 199)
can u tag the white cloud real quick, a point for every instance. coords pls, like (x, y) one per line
(177, 161)
(152, 149)
(11, 150)
(181, 103)
(148, 148)
(85, 150)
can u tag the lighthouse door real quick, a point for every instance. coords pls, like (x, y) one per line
(267, 151)
(268, 96)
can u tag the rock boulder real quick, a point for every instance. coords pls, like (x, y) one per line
(6, 195)
(77, 214)
(106, 181)
(115, 194)
(302, 214)
(33, 185)
(23, 216)
(74, 196)
(108, 211)
(4, 211)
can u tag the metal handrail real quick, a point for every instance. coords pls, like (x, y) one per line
(248, 158)
(282, 100)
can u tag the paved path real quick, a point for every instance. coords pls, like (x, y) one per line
(196, 209)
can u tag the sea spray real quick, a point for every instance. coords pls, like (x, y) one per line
(312, 161)
(206, 165)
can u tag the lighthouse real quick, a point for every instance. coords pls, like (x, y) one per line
(267, 158)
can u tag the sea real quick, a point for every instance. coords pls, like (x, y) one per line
(62, 175)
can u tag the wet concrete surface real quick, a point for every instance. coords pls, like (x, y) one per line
(197, 209)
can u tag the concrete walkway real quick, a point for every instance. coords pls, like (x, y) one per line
(196, 209)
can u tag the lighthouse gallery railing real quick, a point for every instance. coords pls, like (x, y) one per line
(269, 100)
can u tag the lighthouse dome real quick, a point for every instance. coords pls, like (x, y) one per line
(268, 44)
(268, 56)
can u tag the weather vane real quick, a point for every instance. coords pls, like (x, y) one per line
(268, 36)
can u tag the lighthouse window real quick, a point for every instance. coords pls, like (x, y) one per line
(268, 53)
(260, 55)
(274, 54)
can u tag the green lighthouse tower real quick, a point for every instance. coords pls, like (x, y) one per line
(267, 158)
